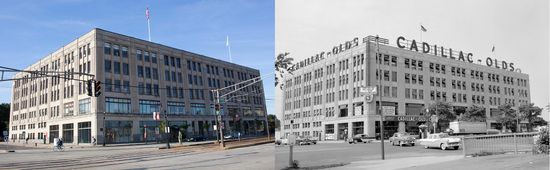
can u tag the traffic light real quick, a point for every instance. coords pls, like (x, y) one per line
(97, 86)
(217, 107)
(89, 88)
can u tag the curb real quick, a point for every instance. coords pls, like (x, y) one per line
(247, 145)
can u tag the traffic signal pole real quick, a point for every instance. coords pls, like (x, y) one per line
(219, 116)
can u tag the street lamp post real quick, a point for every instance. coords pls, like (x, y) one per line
(167, 130)
(379, 58)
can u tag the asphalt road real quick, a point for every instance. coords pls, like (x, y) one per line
(329, 154)
(139, 157)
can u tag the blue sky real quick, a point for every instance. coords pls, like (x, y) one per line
(33, 29)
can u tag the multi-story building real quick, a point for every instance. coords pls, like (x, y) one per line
(137, 78)
(327, 96)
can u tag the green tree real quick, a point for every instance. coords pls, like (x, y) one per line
(206, 126)
(473, 114)
(539, 121)
(4, 117)
(529, 112)
(273, 123)
(444, 111)
(507, 116)
(282, 65)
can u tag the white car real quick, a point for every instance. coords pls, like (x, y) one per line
(281, 141)
(440, 140)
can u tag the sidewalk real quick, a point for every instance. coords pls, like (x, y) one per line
(399, 163)
(493, 162)
(41, 147)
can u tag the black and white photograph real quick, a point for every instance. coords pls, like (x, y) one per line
(412, 84)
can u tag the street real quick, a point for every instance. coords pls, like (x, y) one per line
(140, 157)
(333, 154)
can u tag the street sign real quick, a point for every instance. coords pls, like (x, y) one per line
(291, 139)
(388, 110)
(215, 127)
(369, 90)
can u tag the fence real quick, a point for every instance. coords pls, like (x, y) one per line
(490, 144)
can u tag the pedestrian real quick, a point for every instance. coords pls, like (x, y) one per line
(27, 140)
(93, 140)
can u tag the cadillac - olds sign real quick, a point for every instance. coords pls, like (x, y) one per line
(407, 118)
(448, 53)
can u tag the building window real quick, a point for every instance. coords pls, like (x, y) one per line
(407, 93)
(107, 48)
(116, 66)
(147, 72)
(198, 109)
(126, 87)
(117, 105)
(107, 66)
(394, 76)
(125, 69)
(125, 52)
(146, 56)
(84, 132)
(141, 88)
(84, 106)
(149, 106)
(68, 109)
(154, 58)
(116, 50)
(176, 107)
(139, 56)
(155, 74)
(140, 71)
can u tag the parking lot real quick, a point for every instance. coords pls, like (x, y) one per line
(332, 153)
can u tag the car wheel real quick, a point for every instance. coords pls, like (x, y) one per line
(443, 146)
(412, 144)
(455, 147)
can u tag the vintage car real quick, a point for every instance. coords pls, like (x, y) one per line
(440, 140)
(361, 138)
(402, 138)
(305, 140)
(281, 141)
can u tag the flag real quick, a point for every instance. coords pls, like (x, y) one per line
(227, 41)
(422, 28)
(493, 50)
(147, 13)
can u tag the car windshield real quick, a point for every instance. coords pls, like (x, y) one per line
(443, 135)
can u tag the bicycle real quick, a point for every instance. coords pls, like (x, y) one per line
(58, 148)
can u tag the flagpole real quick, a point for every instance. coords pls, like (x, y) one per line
(149, 29)
(147, 14)
(228, 48)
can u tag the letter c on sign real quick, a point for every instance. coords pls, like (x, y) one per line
(469, 57)
(399, 39)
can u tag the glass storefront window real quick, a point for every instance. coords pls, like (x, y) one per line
(118, 131)
(149, 106)
(85, 132)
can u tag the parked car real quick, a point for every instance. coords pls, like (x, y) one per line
(311, 140)
(361, 138)
(402, 138)
(196, 139)
(440, 140)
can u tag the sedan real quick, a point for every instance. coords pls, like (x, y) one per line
(440, 140)
(402, 138)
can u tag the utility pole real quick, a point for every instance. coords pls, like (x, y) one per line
(167, 129)
(379, 58)
(104, 134)
(219, 116)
